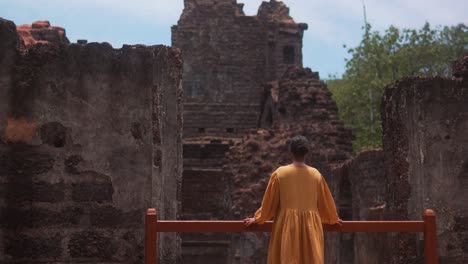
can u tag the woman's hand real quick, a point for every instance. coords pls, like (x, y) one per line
(249, 221)
(339, 223)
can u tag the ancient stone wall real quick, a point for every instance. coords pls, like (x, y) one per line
(205, 192)
(426, 148)
(205, 195)
(360, 194)
(227, 58)
(90, 138)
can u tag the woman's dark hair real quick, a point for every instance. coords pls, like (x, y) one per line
(299, 146)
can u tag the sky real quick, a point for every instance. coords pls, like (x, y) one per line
(332, 23)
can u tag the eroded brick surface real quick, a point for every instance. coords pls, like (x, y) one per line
(41, 32)
(76, 166)
(92, 244)
(227, 57)
(360, 193)
(26, 246)
(92, 192)
(425, 149)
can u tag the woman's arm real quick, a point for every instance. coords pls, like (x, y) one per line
(326, 204)
(270, 203)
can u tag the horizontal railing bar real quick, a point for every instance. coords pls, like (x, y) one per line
(189, 226)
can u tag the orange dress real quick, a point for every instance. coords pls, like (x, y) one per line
(299, 200)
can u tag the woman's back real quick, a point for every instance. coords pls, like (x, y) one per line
(298, 187)
(299, 201)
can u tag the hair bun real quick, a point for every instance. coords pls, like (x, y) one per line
(299, 146)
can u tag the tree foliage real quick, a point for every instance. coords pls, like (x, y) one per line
(382, 58)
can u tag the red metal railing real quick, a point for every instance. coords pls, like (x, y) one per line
(426, 226)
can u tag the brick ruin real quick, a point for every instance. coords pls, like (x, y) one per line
(246, 93)
(232, 142)
(426, 158)
(360, 192)
(228, 58)
(90, 137)
(423, 164)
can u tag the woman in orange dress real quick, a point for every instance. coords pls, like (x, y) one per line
(299, 201)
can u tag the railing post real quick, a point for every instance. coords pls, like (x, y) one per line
(151, 233)
(430, 238)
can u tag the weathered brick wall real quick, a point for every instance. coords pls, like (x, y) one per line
(205, 188)
(227, 57)
(426, 148)
(284, 38)
(205, 195)
(360, 192)
(90, 137)
(205, 152)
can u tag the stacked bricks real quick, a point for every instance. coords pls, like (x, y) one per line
(91, 136)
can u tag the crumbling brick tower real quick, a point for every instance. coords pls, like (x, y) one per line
(227, 57)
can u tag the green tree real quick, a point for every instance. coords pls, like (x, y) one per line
(382, 58)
